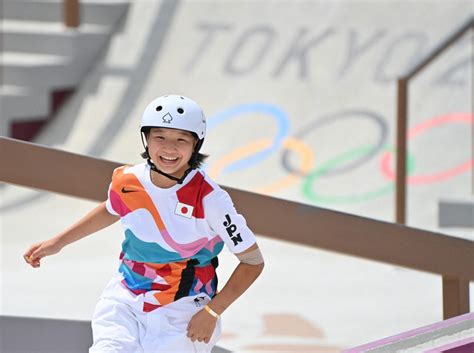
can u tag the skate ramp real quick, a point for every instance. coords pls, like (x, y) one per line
(48, 336)
(455, 335)
(300, 100)
(44, 335)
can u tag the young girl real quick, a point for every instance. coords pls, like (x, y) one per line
(176, 221)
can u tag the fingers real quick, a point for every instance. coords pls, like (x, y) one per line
(30, 251)
(202, 337)
(201, 327)
(195, 338)
(33, 256)
(33, 261)
(192, 335)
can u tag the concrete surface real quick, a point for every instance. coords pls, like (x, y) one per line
(456, 213)
(314, 76)
(48, 336)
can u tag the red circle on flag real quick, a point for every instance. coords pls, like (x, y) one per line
(184, 210)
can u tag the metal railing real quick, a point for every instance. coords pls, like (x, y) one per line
(71, 13)
(452, 258)
(402, 115)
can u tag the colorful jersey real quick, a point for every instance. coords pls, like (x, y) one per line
(173, 236)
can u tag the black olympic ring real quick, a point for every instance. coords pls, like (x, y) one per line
(331, 118)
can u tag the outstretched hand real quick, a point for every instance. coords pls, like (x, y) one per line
(201, 326)
(37, 251)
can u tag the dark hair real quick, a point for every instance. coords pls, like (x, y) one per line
(196, 160)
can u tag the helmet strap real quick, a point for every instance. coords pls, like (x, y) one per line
(155, 169)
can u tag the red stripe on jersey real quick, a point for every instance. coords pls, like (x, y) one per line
(162, 271)
(194, 192)
(205, 274)
(160, 286)
(147, 307)
(134, 291)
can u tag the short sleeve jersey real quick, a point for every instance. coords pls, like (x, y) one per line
(173, 235)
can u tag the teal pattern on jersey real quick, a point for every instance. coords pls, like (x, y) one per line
(204, 256)
(138, 250)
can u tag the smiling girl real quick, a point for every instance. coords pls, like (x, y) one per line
(176, 220)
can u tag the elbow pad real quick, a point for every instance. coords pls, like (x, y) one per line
(253, 257)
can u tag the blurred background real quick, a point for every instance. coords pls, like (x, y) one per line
(300, 99)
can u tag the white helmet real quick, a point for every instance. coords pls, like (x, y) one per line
(175, 112)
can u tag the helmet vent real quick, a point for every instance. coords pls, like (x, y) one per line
(180, 110)
(158, 108)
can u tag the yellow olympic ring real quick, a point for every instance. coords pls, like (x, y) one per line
(298, 146)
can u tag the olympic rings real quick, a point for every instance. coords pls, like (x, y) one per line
(306, 164)
(331, 118)
(257, 151)
(266, 108)
(220, 165)
(305, 153)
(356, 198)
(425, 179)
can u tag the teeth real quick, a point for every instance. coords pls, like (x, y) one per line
(169, 159)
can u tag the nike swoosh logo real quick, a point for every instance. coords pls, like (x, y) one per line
(126, 190)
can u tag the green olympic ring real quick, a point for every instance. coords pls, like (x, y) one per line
(307, 186)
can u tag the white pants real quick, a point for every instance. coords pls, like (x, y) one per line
(120, 326)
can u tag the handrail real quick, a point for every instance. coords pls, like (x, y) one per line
(71, 13)
(402, 115)
(443, 45)
(451, 257)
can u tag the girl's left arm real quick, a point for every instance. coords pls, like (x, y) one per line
(202, 324)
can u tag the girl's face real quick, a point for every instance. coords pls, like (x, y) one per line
(171, 149)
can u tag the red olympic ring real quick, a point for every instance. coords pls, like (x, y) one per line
(424, 179)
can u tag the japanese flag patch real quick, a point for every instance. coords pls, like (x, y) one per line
(184, 210)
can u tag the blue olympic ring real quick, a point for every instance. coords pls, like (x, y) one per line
(266, 108)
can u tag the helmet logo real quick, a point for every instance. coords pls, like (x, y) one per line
(167, 118)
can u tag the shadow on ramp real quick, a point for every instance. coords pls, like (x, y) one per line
(28, 335)
(24, 334)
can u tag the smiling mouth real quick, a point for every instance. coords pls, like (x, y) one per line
(169, 160)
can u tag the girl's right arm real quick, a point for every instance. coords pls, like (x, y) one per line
(92, 222)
